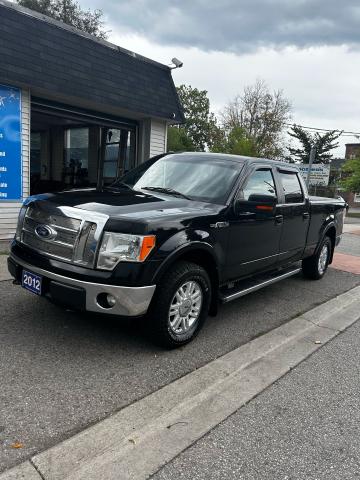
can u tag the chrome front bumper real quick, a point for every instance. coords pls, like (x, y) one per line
(130, 301)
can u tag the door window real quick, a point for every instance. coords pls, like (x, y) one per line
(261, 183)
(291, 186)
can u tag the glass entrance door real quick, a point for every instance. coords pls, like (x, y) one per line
(119, 153)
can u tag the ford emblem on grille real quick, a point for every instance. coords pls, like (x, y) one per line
(45, 232)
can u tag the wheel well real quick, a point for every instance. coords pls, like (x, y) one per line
(206, 260)
(331, 233)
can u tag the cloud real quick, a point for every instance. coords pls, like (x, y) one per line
(320, 82)
(300, 46)
(237, 26)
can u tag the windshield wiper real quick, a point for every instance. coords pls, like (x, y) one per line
(117, 185)
(170, 191)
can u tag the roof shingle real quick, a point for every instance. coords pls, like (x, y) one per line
(48, 55)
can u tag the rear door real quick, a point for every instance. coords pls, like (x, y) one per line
(255, 226)
(295, 213)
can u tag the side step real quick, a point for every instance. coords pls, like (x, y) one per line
(256, 283)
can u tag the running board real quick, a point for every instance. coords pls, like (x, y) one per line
(254, 284)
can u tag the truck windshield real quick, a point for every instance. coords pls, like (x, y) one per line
(204, 178)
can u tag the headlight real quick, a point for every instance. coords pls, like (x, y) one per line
(121, 247)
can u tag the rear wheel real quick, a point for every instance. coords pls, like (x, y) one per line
(315, 266)
(181, 304)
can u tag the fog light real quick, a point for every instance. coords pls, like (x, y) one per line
(111, 300)
(106, 300)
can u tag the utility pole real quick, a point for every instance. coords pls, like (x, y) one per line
(311, 161)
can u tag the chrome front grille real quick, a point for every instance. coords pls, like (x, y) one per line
(65, 236)
(74, 238)
(52, 249)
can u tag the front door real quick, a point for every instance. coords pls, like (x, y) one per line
(118, 153)
(255, 226)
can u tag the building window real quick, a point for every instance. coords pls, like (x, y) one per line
(76, 153)
(119, 153)
(35, 154)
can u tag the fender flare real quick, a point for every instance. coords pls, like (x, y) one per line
(185, 249)
(325, 230)
(182, 250)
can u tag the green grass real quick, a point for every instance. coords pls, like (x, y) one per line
(354, 215)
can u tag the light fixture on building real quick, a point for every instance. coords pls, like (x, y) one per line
(178, 63)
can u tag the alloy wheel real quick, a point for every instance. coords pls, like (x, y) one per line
(185, 307)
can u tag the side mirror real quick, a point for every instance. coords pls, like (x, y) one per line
(257, 203)
(262, 198)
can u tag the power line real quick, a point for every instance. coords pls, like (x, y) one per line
(343, 132)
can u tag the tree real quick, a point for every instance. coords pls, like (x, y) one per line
(199, 121)
(261, 116)
(351, 176)
(178, 140)
(69, 12)
(235, 142)
(322, 142)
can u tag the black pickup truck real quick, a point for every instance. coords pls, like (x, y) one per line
(175, 237)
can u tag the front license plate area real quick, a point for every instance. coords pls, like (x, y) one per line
(31, 282)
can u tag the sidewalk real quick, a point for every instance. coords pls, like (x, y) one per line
(4, 274)
(306, 426)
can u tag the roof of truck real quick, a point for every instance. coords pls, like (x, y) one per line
(237, 158)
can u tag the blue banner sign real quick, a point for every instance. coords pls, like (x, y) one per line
(10, 144)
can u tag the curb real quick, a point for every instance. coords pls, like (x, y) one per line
(138, 440)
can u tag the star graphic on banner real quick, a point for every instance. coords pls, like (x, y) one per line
(12, 95)
(2, 104)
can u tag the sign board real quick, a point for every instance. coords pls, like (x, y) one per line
(10, 144)
(319, 175)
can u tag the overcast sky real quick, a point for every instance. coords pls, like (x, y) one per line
(308, 48)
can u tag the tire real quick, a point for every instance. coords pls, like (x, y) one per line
(180, 305)
(315, 266)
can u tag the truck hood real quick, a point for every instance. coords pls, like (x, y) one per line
(127, 203)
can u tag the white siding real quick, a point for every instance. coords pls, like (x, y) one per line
(25, 137)
(9, 210)
(158, 137)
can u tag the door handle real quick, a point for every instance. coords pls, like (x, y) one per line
(306, 215)
(279, 219)
(247, 214)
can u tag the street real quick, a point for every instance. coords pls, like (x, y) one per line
(63, 371)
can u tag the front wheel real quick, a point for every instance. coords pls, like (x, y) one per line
(181, 304)
(315, 266)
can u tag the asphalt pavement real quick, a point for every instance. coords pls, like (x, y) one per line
(306, 426)
(62, 371)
